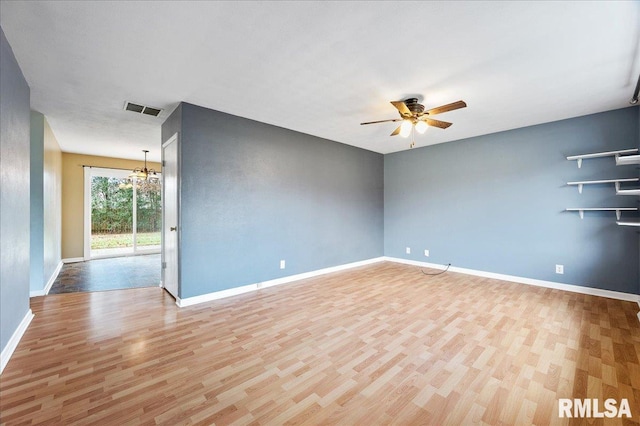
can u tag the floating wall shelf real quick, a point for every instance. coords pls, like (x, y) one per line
(627, 160)
(628, 223)
(628, 192)
(616, 154)
(635, 191)
(618, 210)
(591, 182)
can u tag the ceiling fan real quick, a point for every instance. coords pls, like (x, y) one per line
(413, 116)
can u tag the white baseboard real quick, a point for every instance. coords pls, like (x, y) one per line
(530, 281)
(257, 286)
(73, 260)
(215, 295)
(12, 344)
(52, 278)
(503, 277)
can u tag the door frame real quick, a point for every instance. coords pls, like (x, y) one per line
(174, 138)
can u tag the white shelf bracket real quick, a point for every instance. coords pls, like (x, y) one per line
(617, 186)
(580, 188)
(579, 163)
(618, 210)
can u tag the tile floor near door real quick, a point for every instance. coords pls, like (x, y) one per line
(109, 274)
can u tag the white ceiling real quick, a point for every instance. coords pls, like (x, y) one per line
(319, 67)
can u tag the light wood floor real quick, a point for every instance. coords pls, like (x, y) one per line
(382, 344)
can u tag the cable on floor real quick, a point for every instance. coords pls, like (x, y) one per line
(438, 273)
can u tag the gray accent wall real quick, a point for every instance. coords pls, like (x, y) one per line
(173, 124)
(253, 194)
(14, 190)
(496, 203)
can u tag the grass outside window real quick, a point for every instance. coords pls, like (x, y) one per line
(103, 241)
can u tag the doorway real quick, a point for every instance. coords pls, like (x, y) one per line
(124, 214)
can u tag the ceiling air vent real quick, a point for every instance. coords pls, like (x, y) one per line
(142, 109)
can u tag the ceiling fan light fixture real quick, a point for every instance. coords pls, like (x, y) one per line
(421, 127)
(414, 117)
(405, 128)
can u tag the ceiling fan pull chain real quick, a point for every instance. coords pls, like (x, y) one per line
(413, 137)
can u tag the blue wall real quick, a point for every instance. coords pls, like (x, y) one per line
(14, 190)
(495, 203)
(253, 194)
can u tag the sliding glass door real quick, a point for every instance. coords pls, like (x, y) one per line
(125, 214)
(148, 216)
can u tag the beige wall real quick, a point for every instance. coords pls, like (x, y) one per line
(73, 196)
(52, 201)
(45, 204)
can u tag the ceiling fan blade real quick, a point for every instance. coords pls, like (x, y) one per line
(447, 107)
(402, 107)
(437, 123)
(381, 121)
(396, 131)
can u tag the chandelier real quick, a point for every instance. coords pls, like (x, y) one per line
(144, 173)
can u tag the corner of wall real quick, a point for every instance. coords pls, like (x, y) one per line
(45, 201)
(52, 203)
(36, 199)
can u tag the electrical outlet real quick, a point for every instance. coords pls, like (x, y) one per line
(426, 253)
(408, 250)
(559, 269)
(282, 264)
